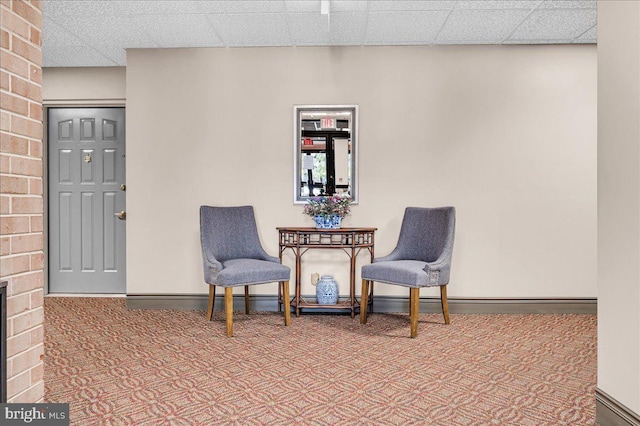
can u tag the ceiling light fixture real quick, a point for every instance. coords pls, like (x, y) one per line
(324, 7)
(324, 10)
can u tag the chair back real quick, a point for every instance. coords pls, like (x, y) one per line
(426, 233)
(229, 233)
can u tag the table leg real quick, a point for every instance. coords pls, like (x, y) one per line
(279, 287)
(298, 279)
(352, 283)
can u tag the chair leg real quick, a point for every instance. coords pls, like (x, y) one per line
(445, 304)
(228, 309)
(286, 300)
(246, 299)
(411, 295)
(364, 301)
(212, 297)
(414, 301)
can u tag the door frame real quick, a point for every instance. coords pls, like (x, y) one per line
(46, 105)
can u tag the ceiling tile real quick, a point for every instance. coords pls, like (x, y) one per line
(345, 28)
(404, 27)
(74, 8)
(300, 6)
(589, 36)
(349, 5)
(313, 6)
(252, 29)
(568, 4)
(497, 4)
(155, 7)
(119, 7)
(55, 35)
(123, 31)
(480, 25)
(116, 53)
(539, 41)
(75, 56)
(180, 30)
(555, 24)
(49, 59)
(402, 5)
(242, 6)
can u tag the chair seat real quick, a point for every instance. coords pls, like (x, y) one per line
(237, 272)
(408, 273)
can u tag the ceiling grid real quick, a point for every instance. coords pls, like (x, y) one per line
(79, 33)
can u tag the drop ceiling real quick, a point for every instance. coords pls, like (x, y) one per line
(82, 33)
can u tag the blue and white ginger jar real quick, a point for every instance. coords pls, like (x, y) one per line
(327, 290)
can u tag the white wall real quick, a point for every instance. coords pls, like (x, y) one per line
(507, 134)
(84, 86)
(619, 201)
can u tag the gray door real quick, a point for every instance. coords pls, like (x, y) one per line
(86, 200)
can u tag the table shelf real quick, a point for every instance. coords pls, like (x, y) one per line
(342, 304)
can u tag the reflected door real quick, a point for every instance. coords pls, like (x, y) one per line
(86, 200)
(313, 180)
(324, 163)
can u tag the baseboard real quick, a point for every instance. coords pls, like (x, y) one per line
(609, 412)
(95, 295)
(381, 304)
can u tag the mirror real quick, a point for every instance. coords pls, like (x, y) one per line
(325, 148)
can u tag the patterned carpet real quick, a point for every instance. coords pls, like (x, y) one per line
(120, 367)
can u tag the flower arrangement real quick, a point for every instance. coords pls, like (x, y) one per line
(335, 205)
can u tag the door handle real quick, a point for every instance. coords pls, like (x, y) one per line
(122, 215)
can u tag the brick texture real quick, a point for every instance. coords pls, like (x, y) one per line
(21, 195)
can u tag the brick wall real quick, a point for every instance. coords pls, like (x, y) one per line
(21, 199)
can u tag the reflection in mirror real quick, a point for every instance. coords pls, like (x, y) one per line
(325, 147)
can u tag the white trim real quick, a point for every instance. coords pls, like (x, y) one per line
(84, 103)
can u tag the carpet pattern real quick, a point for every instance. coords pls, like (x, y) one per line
(139, 367)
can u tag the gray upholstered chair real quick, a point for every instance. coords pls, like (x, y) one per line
(233, 256)
(422, 258)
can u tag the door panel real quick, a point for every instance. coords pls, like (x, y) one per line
(86, 169)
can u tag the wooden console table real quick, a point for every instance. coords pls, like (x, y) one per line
(350, 240)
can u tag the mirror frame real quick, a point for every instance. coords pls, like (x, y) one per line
(297, 167)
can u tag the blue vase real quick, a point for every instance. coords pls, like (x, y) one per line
(327, 290)
(328, 222)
